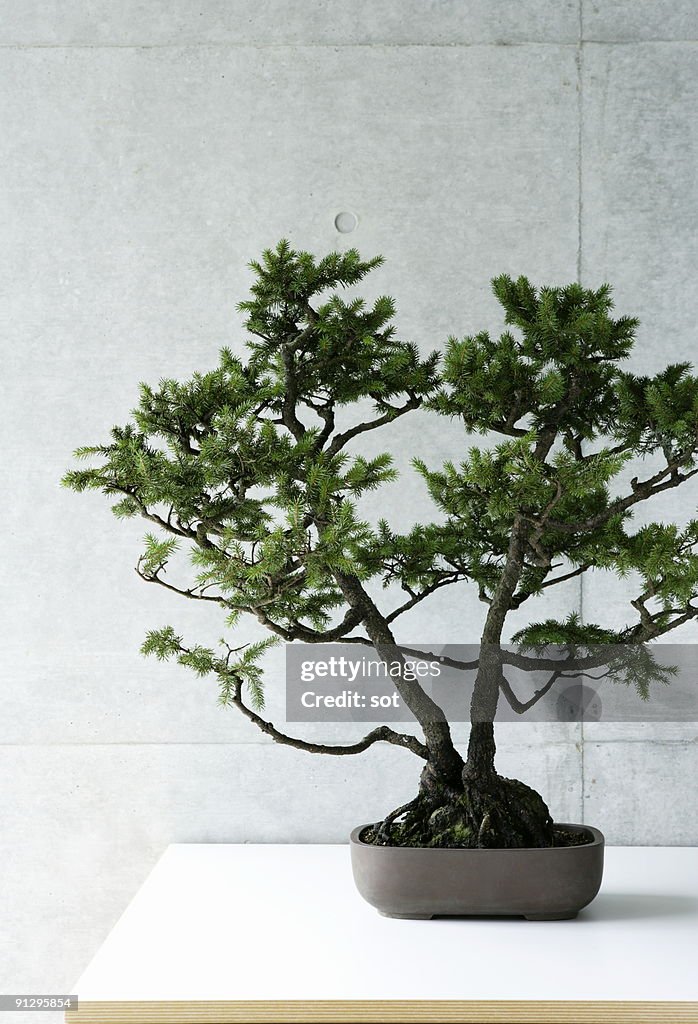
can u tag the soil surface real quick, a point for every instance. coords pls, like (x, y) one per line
(561, 837)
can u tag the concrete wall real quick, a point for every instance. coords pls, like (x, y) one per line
(148, 151)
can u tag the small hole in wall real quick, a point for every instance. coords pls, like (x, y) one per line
(346, 222)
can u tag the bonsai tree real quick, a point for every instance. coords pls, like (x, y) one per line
(250, 466)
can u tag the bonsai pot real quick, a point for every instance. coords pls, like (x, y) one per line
(540, 884)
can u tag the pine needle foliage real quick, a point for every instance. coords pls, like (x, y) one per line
(252, 468)
(566, 420)
(246, 465)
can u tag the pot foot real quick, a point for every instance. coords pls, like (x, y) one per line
(567, 915)
(407, 917)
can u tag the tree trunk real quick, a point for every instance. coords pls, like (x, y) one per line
(483, 708)
(444, 768)
(481, 751)
(485, 809)
(481, 809)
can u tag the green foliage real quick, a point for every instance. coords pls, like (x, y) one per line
(567, 336)
(157, 553)
(659, 412)
(571, 421)
(246, 465)
(571, 632)
(666, 558)
(232, 673)
(248, 670)
(343, 350)
(569, 644)
(163, 643)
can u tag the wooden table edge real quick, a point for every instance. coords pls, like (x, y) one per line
(382, 1011)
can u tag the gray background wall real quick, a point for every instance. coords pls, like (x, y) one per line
(150, 150)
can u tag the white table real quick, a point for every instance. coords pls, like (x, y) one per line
(278, 933)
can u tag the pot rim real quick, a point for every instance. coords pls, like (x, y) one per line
(598, 840)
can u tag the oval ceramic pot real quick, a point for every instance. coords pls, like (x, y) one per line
(540, 884)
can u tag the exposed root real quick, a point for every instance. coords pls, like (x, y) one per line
(384, 826)
(488, 812)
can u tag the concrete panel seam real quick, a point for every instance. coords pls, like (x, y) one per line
(492, 44)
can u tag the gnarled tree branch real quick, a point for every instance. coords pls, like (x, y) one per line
(382, 734)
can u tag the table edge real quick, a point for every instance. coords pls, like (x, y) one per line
(382, 1011)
